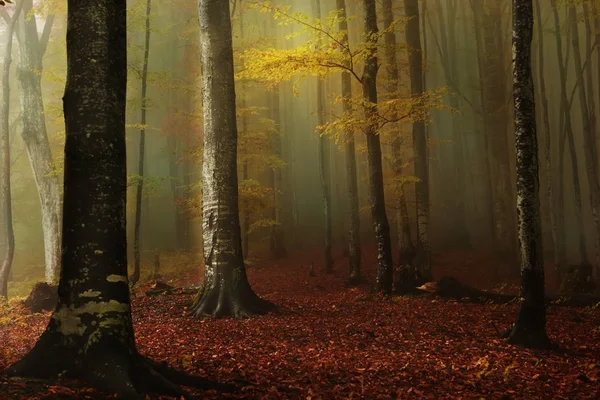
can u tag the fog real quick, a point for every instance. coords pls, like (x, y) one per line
(471, 154)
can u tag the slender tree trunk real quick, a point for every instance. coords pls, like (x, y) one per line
(324, 166)
(226, 290)
(354, 250)
(496, 112)
(32, 48)
(141, 155)
(568, 134)
(8, 236)
(277, 241)
(530, 327)
(450, 67)
(415, 61)
(405, 277)
(547, 139)
(485, 117)
(385, 269)
(585, 270)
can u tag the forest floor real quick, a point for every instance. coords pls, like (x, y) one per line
(335, 342)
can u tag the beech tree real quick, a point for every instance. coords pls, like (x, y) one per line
(5, 190)
(226, 290)
(90, 333)
(530, 328)
(415, 61)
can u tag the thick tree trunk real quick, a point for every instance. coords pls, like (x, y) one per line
(385, 270)
(8, 247)
(354, 250)
(585, 270)
(35, 136)
(415, 61)
(405, 277)
(141, 155)
(530, 327)
(226, 290)
(547, 139)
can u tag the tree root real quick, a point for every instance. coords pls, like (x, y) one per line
(529, 338)
(131, 377)
(220, 302)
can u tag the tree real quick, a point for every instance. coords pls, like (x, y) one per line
(140, 183)
(530, 328)
(354, 251)
(90, 333)
(405, 278)
(5, 190)
(385, 268)
(324, 165)
(415, 60)
(35, 136)
(226, 290)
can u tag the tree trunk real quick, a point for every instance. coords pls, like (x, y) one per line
(226, 290)
(450, 68)
(496, 114)
(568, 134)
(277, 241)
(385, 270)
(547, 139)
(530, 327)
(354, 250)
(415, 61)
(405, 277)
(35, 136)
(141, 155)
(324, 166)
(8, 235)
(584, 275)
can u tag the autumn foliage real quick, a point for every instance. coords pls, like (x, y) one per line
(333, 342)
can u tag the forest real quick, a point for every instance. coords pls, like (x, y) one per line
(300, 199)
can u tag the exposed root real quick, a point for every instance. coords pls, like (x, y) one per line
(220, 302)
(131, 377)
(529, 338)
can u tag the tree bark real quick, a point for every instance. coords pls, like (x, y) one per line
(226, 290)
(415, 60)
(34, 134)
(354, 250)
(385, 270)
(530, 327)
(8, 235)
(141, 155)
(405, 277)
(589, 141)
